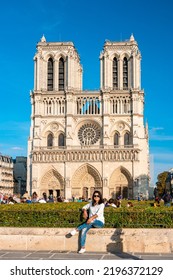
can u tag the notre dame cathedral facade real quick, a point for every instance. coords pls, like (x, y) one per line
(84, 140)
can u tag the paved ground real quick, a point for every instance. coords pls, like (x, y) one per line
(69, 255)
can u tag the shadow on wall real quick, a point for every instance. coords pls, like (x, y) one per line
(116, 247)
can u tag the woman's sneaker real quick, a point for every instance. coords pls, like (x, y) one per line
(82, 250)
(73, 232)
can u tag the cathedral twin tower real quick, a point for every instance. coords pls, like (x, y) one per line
(86, 140)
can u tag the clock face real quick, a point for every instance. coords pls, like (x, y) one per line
(89, 134)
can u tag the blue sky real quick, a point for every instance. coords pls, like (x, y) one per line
(87, 24)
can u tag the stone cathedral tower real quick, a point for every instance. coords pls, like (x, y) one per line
(85, 140)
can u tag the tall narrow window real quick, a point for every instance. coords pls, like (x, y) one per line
(115, 73)
(125, 106)
(116, 139)
(49, 108)
(50, 75)
(61, 74)
(127, 139)
(125, 73)
(61, 140)
(49, 140)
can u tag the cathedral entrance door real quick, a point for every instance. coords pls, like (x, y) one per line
(85, 180)
(52, 183)
(88, 184)
(121, 191)
(57, 193)
(120, 183)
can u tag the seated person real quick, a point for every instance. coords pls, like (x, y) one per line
(129, 204)
(111, 202)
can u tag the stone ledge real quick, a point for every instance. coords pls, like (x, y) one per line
(98, 240)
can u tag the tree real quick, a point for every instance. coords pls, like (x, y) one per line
(161, 183)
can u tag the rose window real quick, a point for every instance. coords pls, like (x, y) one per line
(89, 134)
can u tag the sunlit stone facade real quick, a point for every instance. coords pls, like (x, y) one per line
(85, 140)
(6, 175)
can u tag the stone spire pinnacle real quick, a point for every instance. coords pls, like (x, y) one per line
(132, 38)
(146, 129)
(43, 39)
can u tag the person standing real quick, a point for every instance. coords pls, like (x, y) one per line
(167, 198)
(95, 219)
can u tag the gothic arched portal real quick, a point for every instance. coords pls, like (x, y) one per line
(121, 183)
(85, 180)
(52, 183)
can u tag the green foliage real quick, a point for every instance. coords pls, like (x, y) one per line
(142, 215)
(161, 184)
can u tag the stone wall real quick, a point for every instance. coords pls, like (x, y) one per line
(98, 240)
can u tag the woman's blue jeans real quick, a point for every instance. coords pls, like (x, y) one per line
(84, 229)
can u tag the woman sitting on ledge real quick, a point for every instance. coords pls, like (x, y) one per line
(95, 219)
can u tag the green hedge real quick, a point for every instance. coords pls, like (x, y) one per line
(69, 215)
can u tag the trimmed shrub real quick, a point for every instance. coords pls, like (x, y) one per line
(142, 215)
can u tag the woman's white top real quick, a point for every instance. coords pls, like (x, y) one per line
(96, 209)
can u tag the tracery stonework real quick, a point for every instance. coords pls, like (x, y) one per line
(121, 126)
(52, 184)
(54, 127)
(88, 182)
(98, 138)
(89, 134)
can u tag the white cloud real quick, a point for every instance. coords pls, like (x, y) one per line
(158, 134)
(17, 148)
(153, 129)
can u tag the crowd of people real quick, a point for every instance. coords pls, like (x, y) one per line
(34, 198)
(26, 198)
(166, 198)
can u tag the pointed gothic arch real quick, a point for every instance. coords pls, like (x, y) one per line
(85, 180)
(127, 139)
(115, 72)
(52, 182)
(50, 74)
(120, 183)
(116, 139)
(125, 73)
(50, 140)
(61, 73)
(61, 140)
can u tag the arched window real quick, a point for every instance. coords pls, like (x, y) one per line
(125, 73)
(50, 74)
(127, 139)
(116, 139)
(50, 140)
(115, 73)
(61, 140)
(61, 74)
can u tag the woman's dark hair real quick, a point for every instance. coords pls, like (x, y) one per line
(100, 195)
